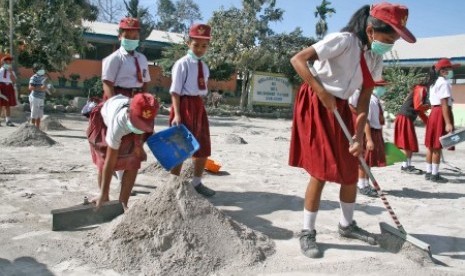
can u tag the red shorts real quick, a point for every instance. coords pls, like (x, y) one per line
(435, 128)
(405, 136)
(194, 117)
(377, 156)
(8, 91)
(318, 143)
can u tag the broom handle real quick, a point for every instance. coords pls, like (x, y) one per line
(368, 172)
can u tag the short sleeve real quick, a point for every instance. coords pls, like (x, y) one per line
(332, 45)
(353, 100)
(178, 76)
(444, 90)
(110, 67)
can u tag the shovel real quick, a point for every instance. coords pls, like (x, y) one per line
(400, 231)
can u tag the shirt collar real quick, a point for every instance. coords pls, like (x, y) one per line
(124, 52)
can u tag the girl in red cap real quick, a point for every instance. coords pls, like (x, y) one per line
(343, 62)
(405, 137)
(441, 120)
(7, 91)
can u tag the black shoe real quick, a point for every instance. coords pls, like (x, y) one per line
(354, 232)
(438, 178)
(308, 244)
(368, 191)
(204, 190)
(10, 124)
(410, 170)
(428, 176)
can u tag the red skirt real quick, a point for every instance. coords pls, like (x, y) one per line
(194, 117)
(127, 159)
(435, 128)
(8, 91)
(405, 136)
(318, 143)
(377, 156)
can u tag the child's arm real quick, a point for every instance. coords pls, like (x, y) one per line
(370, 145)
(176, 99)
(107, 173)
(447, 115)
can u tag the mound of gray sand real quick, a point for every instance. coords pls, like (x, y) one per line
(51, 123)
(156, 169)
(174, 231)
(28, 135)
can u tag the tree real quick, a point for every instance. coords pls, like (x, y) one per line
(321, 12)
(400, 82)
(50, 31)
(177, 17)
(109, 11)
(237, 35)
(145, 19)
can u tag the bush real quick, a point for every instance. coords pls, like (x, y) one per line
(93, 87)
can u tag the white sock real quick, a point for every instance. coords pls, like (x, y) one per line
(361, 183)
(196, 181)
(119, 175)
(435, 169)
(405, 164)
(367, 182)
(409, 161)
(309, 220)
(429, 167)
(7, 119)
(347, 213)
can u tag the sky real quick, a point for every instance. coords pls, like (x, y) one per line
(427, 18)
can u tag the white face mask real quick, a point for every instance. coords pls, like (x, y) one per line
(41, 72)
(134, 129)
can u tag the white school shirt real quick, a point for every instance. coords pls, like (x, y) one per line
(120, 68)
(8, 75)
(338, 64)
(115, 118)
(439, 90)
(353, 100)
(373, 113)
(184, 77)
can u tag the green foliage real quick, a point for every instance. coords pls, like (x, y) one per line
(400, 83)
(321, 11)
(170, 55)
(93, 87)
(145, 19)
(178, 16)
(74, 76)
(50, 30)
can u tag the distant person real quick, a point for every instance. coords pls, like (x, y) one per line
(405, 136)
(344, 62)
(7, 91)
(190, 76)
(38, 90)
(441, 119)
(117, 131)
(126, 70)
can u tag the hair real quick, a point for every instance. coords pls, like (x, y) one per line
(37, 66)
(359, 21)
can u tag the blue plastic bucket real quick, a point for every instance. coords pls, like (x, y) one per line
(172, 146)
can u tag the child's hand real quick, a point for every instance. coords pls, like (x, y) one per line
(176, 120)
(370, 145)
(356, 148)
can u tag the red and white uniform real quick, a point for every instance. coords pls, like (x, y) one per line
(377, 156)
(436, 126)
(6, 88)
(318, 143)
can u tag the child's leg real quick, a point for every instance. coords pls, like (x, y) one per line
(176, 170)
(129, 178)
(199, 167)
(347, 196)
(313, 194)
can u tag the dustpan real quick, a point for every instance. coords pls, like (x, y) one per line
(393, 154)
(172, 146)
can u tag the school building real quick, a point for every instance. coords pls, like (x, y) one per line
(102, 40)
(425, 52)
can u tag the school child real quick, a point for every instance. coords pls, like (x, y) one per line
(441, 120)
(344, 62)
(189, 83)
(7, 91)
(37, 96)
(126, 70)
(405, 136)
(116, 133)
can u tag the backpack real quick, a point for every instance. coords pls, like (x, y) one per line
(97, 131)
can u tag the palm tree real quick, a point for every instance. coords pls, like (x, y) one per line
(321, 12)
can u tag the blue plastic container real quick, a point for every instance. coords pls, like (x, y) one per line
(172, 146)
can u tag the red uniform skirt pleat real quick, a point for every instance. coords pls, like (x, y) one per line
(377, 156)
(9, 92)
(435, 128)
(127, 158)
(318, 144)
(194, 117)
(405, 136)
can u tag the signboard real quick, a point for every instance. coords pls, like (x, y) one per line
(270, 89)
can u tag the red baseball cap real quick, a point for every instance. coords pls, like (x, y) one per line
(7, 57)
(445, 63)
(142, 111)
(395, 16)
(129, 23)
(202, 31)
